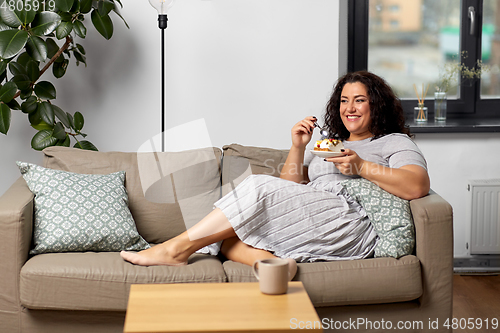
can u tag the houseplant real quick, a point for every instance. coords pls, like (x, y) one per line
(31, 34)
(450, 74)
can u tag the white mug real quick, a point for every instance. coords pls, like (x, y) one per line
(273, 275)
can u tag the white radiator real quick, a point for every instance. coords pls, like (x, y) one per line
(485, 229)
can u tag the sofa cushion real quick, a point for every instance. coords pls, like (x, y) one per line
(101, 281)
(79, 212)
(350, 282)
(241, 161)
(168, 192)
(390, 216)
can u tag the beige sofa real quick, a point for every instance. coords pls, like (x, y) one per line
(88, 292)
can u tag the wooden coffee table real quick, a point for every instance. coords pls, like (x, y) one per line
(218, 307)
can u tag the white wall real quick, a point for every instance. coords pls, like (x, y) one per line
(453, 160)
(249, 68)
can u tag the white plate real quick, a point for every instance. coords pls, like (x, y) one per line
(327, 154)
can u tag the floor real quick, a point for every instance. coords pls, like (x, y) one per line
(476, 297)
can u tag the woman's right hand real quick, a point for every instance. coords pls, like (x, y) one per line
(302, 132)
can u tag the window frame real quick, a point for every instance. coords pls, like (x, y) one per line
(469, 108)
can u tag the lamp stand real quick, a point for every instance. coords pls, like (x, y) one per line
(162, 24)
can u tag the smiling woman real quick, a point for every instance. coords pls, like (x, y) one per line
(355, 111)
(384, 107)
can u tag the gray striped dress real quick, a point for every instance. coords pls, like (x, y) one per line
(317, 221)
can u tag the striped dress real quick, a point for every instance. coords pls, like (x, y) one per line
(314, 222)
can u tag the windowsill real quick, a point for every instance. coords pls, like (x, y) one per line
(456, 126)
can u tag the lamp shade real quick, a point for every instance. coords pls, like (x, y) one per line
(162, 6)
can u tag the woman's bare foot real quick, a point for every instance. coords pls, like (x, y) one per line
(159, 255)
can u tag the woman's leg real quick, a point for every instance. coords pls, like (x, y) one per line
(234, 249)
(212, 228)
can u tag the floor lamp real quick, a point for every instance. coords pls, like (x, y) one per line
(162, 6)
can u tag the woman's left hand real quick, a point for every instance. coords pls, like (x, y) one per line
(350, 164)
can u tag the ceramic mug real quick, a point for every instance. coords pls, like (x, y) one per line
(273, 275)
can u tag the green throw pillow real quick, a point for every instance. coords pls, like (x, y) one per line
(76, 212)
(389, 214)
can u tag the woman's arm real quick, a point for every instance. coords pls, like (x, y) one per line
(408, 182)
(294, 168)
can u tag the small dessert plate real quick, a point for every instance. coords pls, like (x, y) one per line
(327, 154)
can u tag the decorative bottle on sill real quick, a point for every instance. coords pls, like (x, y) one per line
(440, 103)
(420, 113)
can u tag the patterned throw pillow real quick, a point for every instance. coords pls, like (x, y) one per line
(76, 212)
(389, 214)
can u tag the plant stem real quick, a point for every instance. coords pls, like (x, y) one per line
(58, 53)
(52, 60)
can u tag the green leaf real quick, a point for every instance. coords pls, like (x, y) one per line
(64, 29)
(59, 132)
(117, 11)
(24, 58)
(64, 5)
(52, 47)
(70, 119)
(22, 81)
(59, 68)
(84, 144)
(80, 58)
(105, 6)
(85, 6)
(79, 121)
(16, 68)
(45, 90)
(76, 7)
(27, 14)
(46, 112)
(103, 24)
(29, 105)
(12, 42)
(79, 29)
(8, 91)
(3, 66)
(37, 48)
(80, 48)
(42, 140)
(42, 126)
(33, 70)
(26, 93)
(5, 115)
(14, 105)
(10, 17)
(45, 23)
(62, 116)
(65, 143)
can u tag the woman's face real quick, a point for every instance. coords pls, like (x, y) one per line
(355, 111)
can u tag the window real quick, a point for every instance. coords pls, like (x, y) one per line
(413, 44)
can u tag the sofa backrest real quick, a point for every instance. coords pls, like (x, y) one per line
(168, 192)
(241, 161)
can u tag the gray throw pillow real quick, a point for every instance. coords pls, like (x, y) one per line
(390, 215)
(77, 212)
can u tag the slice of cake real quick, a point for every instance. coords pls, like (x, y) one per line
(329, 145)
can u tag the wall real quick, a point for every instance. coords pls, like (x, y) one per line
(453, 160)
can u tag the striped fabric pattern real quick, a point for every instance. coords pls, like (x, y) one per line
(318, 221)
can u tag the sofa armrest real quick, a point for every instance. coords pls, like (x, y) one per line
(433, 218)
(16, 225)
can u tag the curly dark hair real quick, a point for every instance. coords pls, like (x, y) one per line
(386, 111)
